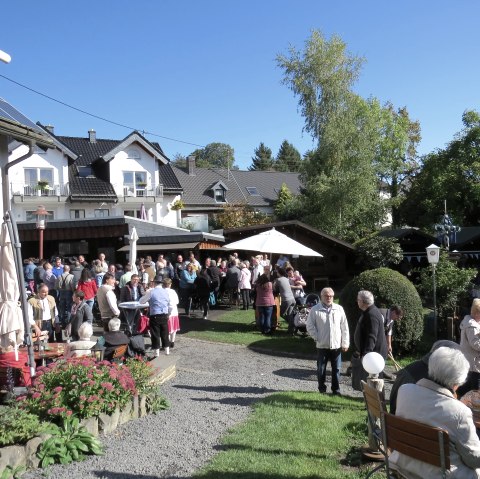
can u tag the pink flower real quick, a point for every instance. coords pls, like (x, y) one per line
(58, 389)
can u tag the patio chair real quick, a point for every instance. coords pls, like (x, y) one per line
(375, 403)
(416, 440)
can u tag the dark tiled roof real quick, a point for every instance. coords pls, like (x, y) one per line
(91, 188)
(197, 188)
(88, 152)
(168, 179)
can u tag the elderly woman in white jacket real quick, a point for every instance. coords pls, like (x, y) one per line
(470, 346)
(432, 401)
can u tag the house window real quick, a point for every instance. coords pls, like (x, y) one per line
(84, 171)
(34, 175)
(75, 214)
(133, 155)
(134, 183)
(101, 213)
(252, 190)
(31, 216)
(219, 195)
(132, 213)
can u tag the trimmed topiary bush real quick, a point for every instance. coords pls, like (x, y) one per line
(388, 287)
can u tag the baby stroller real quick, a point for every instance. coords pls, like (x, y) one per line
(301, 313)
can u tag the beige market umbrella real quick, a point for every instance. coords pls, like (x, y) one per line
(133, 250)
(272, 241)
(11, 318)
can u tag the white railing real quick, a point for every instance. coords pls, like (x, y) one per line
(24, 189)
(139, 192)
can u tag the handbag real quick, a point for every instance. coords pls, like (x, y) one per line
(143, 324)
(211, 299)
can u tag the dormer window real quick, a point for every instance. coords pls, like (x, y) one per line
(219, 192)
(219, 195)
(84, 171)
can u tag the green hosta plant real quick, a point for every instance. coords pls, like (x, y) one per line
(70, 442)
(18, 426)
(12, 472)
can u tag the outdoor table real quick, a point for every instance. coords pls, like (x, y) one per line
(130, 309)
(53, 351)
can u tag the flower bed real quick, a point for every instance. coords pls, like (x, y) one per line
(101, 394)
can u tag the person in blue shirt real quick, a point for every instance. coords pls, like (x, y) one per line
(29, 273)
(57, 269)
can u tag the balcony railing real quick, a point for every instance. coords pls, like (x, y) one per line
(139, 192)
(24, 189)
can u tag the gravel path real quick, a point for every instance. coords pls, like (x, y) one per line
(213, 390)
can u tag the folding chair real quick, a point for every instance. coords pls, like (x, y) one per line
(375, 402)
(416, 440)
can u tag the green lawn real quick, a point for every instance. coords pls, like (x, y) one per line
(238, 327)
(295, 435)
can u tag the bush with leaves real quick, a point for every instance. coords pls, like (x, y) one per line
(378, 252)
(18, 426)
(388, 287)
(68, 443)
(453, 285)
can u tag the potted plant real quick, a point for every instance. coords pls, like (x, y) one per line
(177, 205)
(43, 184)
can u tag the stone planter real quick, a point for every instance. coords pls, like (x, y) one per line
(107, 423)
(91, 425)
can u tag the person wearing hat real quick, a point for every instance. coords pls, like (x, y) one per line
(159, 304)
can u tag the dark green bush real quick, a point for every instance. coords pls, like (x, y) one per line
(388, 287)
(17, 426)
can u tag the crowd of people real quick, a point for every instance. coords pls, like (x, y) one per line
(64, 296)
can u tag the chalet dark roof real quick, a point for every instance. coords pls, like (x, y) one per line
(284, 226)
(197, 188)
(401, 233)
(467, 235)
(88, 152)
(168, 179)
(91, 189)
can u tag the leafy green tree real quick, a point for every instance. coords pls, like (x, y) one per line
(378, 252)
(288, 158)
(287, 205)
(263, 159)
(215, 155)
(238, 215)
(341, 186)
(396, 160)
(452, 286)
(179, 160)
(451, 174)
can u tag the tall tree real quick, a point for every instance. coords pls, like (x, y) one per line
(451, 175)
(288, 158)
(396, 161)
(341, 187)
(179, 160)
(263, 159)
(215, 155)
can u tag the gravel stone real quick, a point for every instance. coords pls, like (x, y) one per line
(214, 388)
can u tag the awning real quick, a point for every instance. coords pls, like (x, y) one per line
(161, 247)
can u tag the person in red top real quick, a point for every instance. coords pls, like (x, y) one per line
(88, 285)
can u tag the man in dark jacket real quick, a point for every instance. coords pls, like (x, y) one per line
(132, 291)
(370, 332)
(81, 312)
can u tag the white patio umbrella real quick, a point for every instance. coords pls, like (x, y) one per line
(11, 317)
(272, 241)
(133, 250)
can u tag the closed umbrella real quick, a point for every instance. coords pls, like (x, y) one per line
(133, 250)
(11, 317)
(273, 242)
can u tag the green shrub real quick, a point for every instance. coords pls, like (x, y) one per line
(17, 426)
(388, 287)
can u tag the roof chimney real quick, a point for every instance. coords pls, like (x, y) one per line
(191, 165)
(92, 136)
(50, 129)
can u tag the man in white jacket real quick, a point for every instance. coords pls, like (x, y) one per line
(327, 325)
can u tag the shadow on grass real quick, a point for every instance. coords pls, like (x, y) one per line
(243, 475)
(284, 451)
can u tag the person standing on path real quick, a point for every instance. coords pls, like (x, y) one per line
(159, 304)
(328, 326)
(370, 331)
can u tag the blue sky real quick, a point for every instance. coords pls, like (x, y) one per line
(205, 71)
